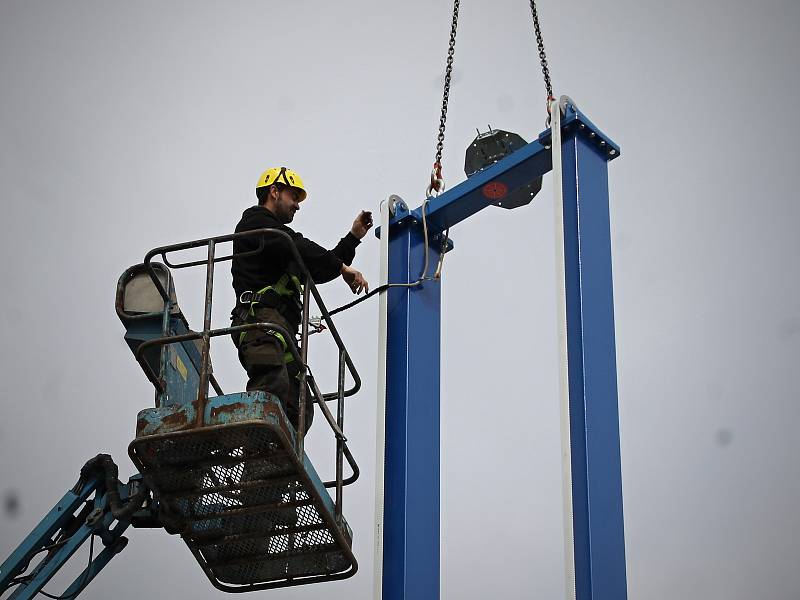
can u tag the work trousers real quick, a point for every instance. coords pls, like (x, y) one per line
(263, 356)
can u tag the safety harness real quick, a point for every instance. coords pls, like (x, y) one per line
(283, 296)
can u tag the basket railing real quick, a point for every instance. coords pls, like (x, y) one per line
(308, 383)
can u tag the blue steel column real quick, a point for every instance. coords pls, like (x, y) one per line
(411, 505)
(599, 540)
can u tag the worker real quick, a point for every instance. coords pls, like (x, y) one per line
(268, 283)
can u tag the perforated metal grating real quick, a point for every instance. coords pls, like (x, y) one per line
(243, 505)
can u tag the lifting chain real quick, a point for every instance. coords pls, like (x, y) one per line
(437, 181)
(437, 184)
(548, 87)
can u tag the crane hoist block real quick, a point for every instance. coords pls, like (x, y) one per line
(254, 514)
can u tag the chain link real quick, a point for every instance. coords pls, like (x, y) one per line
(447, 76)
(542, 56)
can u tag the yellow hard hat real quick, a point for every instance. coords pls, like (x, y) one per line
(284, 176)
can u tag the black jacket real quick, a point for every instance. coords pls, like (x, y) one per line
(265, 268)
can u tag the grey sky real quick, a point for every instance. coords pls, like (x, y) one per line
(124, 126)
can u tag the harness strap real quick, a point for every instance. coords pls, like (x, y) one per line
(289, 288)
(288, 285)
(287, 355)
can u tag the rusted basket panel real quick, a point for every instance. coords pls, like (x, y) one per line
(253, 515)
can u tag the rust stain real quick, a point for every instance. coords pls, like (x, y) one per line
(177, 419)
(227, 409)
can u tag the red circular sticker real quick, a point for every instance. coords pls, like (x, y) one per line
(495, 190)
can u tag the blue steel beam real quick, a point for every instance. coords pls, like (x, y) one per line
(599, 541)
(519, 168)
(411, 494)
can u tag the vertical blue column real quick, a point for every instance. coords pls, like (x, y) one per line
(599, 541)
(411, 505)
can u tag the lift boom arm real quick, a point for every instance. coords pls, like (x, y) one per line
(99, 505)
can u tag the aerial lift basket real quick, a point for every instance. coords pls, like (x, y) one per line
(229, 472)
(237, 492)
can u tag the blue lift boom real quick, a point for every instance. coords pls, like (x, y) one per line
(99, 506)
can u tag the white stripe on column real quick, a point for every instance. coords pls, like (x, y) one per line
(380, 427)
(563, 366)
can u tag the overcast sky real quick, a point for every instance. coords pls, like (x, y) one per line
(129, 125)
